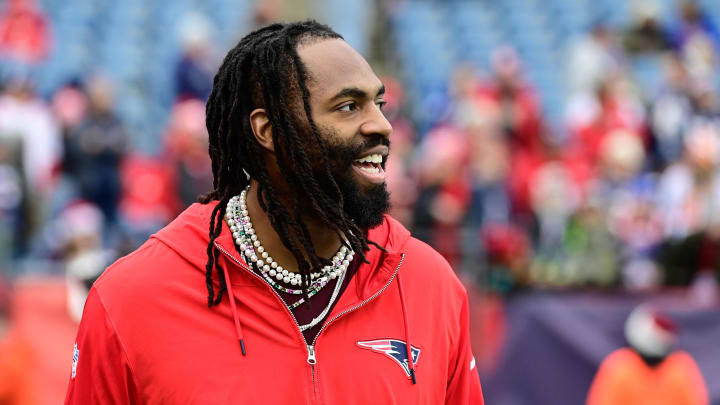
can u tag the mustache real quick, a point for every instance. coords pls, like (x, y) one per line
(370, 142)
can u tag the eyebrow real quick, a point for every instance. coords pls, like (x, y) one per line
(355, 92)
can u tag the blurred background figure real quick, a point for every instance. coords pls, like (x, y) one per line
(696, 39)
(96, 148)
(15, 381)
(24, 32)
(649, 371)
(186, 144)
(564, 156)
(197, 64)
(592, 58)
(82, 225)
(30, 152)
(646, 34)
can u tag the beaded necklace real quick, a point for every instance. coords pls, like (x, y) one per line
(238, 219)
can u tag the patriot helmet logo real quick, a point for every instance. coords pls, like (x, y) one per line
(394, 349)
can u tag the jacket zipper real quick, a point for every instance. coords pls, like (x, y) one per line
(372, 297)
(311, 350)
(311, 347)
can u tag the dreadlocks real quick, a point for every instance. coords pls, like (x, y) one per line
(264, 70)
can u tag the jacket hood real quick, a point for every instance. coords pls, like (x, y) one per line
(188, 235)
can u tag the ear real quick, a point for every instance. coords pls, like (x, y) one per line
(262, 129)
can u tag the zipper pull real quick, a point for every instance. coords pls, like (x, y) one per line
(311, 355)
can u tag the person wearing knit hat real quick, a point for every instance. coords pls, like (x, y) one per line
(648, 371)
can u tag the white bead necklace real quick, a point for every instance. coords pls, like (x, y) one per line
(238, 219)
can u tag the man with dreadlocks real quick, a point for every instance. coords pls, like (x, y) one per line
(287, 283)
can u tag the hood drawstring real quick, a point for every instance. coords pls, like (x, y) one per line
(411, 363)
(236, 318)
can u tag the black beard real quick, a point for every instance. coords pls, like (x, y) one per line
(365, 206)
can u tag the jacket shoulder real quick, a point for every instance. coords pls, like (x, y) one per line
(134, 277)
(429, 268)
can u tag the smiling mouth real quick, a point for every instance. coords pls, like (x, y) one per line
(371, 167)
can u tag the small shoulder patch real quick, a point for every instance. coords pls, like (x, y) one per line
(76, 356)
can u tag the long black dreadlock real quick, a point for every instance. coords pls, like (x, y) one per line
(264, 70)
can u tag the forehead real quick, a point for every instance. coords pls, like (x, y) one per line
(334, 65)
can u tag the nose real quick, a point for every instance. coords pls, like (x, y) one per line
(376, 123)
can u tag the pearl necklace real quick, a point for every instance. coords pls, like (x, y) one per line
(238, 220)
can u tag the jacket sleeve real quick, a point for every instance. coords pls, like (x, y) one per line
(464, 382)
(101, 372)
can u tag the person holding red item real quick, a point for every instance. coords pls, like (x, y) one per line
(287, 283)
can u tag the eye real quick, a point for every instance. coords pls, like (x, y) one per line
(349, 107)
(381, 104)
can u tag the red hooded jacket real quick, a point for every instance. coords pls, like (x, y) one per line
(148, 337)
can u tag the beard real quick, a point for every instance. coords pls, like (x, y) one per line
(364, 205)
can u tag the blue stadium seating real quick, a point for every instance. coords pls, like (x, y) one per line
(136, 43)
(443, 34)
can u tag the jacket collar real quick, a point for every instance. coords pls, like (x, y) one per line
(188, 236)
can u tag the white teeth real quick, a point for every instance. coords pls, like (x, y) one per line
(370, 169)
(374, 158)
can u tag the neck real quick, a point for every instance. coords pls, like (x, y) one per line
(324, 239)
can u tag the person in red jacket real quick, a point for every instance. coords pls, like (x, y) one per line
(287, 283)
(649, 371)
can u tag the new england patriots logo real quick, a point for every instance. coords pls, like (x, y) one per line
(396, 350)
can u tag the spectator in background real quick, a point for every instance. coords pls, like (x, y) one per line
(489, 166)
(670, 110)
(515, 101)
(632, 219)
(554, 196)
(512, 112)
(15, 381)
(194, 70)
(266, 12)
(615, 106)
(445, 191)
(591, 59)
(96, 150)
(690, 197)
(648, 371)
(697, 41)
(689, 190)
(588, 255)
(186, 149)
(26, 119)
(31, 147)
(12, 202)
(24, 32)
(401, 179)
(694, 261)
(70, 106)
(85, 259)
(646, 35)
(506, 249)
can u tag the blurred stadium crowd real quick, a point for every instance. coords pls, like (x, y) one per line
(536, 149)
(603, 171)
(532, 150)
(536, 144)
